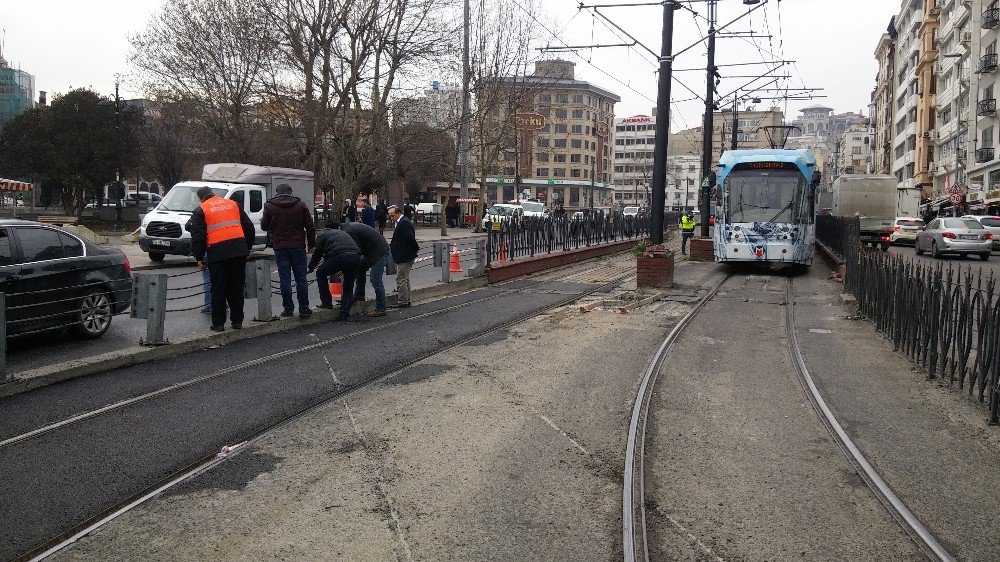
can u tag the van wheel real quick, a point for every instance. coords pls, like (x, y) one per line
(156, 256)
(93, 314)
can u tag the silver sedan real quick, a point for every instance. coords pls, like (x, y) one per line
(954, 236)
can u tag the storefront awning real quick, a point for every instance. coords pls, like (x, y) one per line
(12, 185)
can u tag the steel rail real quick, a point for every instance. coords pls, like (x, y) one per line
(255, 362)
(914, 528)
(635, 447)
(79, 531)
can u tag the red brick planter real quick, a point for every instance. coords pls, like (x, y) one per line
(654, 270)
(702, 249)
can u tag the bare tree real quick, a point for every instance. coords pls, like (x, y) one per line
(212, 54)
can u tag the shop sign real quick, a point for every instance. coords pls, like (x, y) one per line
(529, 121)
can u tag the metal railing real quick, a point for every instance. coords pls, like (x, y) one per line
(512, 239)
(984, 155)
(988, 63)
(986, 107)
(991, 17)
(946, 318)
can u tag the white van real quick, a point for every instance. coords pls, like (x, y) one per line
(163, 229)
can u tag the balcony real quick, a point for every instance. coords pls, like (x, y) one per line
(988, 63)
(991, 17)
(987, 107)
(984, 155)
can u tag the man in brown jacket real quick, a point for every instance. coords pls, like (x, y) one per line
(290, 225)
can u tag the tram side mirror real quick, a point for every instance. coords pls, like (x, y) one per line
(816, 177)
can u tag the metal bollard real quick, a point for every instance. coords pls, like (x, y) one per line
(260, 270)
(440, 253)
(480, 267)
(149, 302)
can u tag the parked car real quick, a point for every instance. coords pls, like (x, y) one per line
(905, 229)
(954, 236)
(633, 212)
(501, 212)
(534, 209)
(990, 223)
(53, 279)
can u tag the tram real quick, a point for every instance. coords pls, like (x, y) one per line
(766, 207)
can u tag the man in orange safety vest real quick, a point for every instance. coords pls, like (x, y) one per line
(221, 238)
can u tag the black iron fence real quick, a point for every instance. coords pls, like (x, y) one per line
(945, 317)
(512, 239)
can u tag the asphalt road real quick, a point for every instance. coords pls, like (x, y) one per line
(990, 266)
(54, 347)
(58, 479)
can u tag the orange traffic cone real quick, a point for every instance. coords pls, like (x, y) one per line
(336, 288)
(503, 253)
(456, 265)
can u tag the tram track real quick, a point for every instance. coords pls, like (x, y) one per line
(382, 326)
(240, 444)
(635, 536)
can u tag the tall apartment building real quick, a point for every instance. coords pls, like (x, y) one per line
(568, 159)
(904, 128)
(852, 150)
(883, 102)
(633, 166)
(440, 107)
(17, 92)
(952, 102)
(748, 132)
(984, 169)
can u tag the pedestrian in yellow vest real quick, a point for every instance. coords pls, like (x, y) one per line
(687, 230)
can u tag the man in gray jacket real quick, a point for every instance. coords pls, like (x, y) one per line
(375, 255)
(340, 254)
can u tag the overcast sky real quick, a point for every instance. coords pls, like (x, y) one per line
(74, 43)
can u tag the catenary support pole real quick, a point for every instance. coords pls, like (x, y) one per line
(707, 155)
(662, 138)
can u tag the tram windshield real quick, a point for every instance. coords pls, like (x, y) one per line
(764, 195)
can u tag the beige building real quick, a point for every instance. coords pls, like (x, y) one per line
(852, 150)
(984, 167)
(749, 133)
(573, 146)
(926, 119)
(882, 102)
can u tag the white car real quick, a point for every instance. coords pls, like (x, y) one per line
(905, 229)
(534, 209)
(501, 212)
(991, 223)
(631, 212)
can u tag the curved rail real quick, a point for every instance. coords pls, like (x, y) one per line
(882, 491)
(635, 448)
(66, 539)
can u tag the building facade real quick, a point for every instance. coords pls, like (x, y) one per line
(440, 107)
(952, 102)
(633, 167)
(17, 92)
(749, 132)
(984, 169)
(852, 150)
(882, 102)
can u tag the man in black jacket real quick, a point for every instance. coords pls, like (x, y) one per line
(340, 254)
(374, 255)
(404, 249)
(381, 216)
(290, 225)
(216, 244)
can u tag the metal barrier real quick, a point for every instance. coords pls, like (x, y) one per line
(511, 239)
(946, 318)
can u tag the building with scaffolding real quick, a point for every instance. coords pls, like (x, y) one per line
(17, 92)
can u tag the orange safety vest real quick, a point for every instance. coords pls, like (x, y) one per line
(222, 217)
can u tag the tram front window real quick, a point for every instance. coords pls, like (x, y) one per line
(764, 196)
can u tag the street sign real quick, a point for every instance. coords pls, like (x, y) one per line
(704, 182)
(552, 181)
(956, 198)
(500, 180)
(956, 189)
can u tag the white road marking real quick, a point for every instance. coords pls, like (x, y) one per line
(704, 548)
(563, 433)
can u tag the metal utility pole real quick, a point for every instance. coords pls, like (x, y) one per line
(463, 133)
(662, 138)
(118, 185)
(736, 124)
(707, 154)
(593, 171)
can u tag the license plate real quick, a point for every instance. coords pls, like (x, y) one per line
(970, 237)
(160, 243)
(496, 226)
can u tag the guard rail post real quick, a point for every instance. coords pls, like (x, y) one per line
(3, 337)
(149, 302)
(441, 260)
(480, 260)
(260, 271)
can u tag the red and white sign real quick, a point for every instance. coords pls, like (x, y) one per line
(955, 198)
(637, 119)
(956, 189)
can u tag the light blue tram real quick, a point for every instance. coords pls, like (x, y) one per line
(767, 207)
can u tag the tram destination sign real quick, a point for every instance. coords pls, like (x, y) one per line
(765, 166)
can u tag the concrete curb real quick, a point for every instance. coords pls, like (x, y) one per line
(129, 357)
(833, 257)
(524, 266)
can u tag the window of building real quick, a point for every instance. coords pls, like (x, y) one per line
(620, 128)
(545, 112)
(576, 158)
(987, 137)
(547, 98)
(560, 114)
(546, 128)
(575, 173)
(542, 156)
(542, 172)
(562, 98)
(543, 143)
(576, 143)
(577, 129)
(560, 157)
(577, 114)
(578, 98)
(558, 172)
(560, 143)
(619, 169)
(561, 128)
(855, 150)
